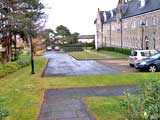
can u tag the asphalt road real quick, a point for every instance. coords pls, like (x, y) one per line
(61, 64)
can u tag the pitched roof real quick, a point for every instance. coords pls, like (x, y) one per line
(106, 16)
(86, 37)
(129, 9)
(134, 7)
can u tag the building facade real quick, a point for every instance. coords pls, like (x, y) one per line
(132, 24)
(86, 38)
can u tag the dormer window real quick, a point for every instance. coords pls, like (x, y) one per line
(143, 2)
(105, 16)
(111, 13)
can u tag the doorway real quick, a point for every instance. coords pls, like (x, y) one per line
(147, 42)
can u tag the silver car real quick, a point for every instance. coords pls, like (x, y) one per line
(137, 55)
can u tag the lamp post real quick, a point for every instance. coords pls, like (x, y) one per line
(31, 50)
(30, 10)
(142, 24)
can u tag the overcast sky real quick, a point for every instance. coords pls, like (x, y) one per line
(77, 15)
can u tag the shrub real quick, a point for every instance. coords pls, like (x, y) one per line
(145, 104)
(23, 61)
(13, 66)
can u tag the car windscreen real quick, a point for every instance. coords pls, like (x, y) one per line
(133, 53)
(153, 52)
(145, 54)
(157, 56)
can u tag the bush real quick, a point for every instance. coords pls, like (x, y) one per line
(145, 105)
(23, 61)
(120, 50)
(13, 66)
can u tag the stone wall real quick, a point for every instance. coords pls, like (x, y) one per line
(132, 31)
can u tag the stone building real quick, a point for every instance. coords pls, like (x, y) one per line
(132, 24)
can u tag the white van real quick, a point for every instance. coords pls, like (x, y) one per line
(137, 55)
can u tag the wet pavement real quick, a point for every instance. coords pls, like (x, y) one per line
(67, 104)
(120, 64)
(62, 64)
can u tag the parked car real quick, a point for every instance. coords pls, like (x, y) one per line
(49, 48)
(151, 64)
(137, 55)
(57, 48)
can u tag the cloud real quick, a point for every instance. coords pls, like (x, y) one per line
(77, 15)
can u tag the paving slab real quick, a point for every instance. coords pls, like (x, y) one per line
(67, 104)
(62, 64)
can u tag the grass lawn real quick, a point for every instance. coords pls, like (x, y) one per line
(111, 53)
(84, 55)
(105, 108)
(23, 93)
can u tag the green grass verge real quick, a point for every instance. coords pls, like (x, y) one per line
(111, 53)
(22, 91)
(84, 55)
(105, 108)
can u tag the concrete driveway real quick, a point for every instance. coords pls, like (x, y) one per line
(61, 64)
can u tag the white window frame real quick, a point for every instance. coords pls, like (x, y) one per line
(146, 22)
(154, 21)
(125, 25)
(134, 24)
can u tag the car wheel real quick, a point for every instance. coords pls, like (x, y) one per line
(152, 68)
(131, 65)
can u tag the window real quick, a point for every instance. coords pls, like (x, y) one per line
(118, 27)
(145, 54)
(146, 21)
(108, 27)
(143, 2)
(98, 21)
(140, 23)
(125, 25)
(154, 21)
(134, 24)
(113, 27)
(133, 53)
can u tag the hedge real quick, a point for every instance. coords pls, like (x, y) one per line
(119, 50)
(10, 67)
(73, 47)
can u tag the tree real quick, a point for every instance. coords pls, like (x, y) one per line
(63, 31)
(19, 17)
(66, 36)
(74, 37)
(46, 33)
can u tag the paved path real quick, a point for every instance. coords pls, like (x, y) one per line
(66, 104)
(61, 64)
